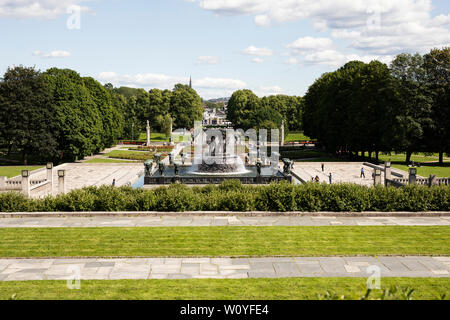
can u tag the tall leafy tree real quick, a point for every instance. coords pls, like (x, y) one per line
(437, 67)
(185, 106)
(78, 121)
(415, 116)
(26, 114)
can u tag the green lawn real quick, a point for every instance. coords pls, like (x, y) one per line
(211, 289)
(13, 171)
(107, 161)
(155, 136)
(224, 241)
(401, 157)
(427, 170)
(296, 136)
(130, 155)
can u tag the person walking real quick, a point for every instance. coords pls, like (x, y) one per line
(363, 173)
(323, 167)
(330, 177)
(114, 183)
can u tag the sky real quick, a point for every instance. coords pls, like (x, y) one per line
(268, 46)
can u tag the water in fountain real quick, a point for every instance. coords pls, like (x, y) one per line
(216, 161)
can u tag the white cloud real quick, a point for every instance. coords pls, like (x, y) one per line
(53, 54)
(207, 60)
(264, 91)
(377, 27)
(262, 20)
(291, 61)
(260, 52)
(310, 43)
(37, 8)
(258, 60)
(207, 87)
(335, 58)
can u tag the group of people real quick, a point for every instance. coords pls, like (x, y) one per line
(330, 176)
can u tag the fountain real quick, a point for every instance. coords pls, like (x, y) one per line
(215, 161)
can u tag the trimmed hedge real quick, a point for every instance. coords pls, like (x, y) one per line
(233, 196)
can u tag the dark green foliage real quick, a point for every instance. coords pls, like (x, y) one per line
(370, 107)
(233, 196)
(246, 111)
(57, 115)
(26, 114)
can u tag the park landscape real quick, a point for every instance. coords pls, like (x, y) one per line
(125, 193)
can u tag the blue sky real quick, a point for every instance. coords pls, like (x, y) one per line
(268, 46)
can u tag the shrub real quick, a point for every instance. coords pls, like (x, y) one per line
(233, 196)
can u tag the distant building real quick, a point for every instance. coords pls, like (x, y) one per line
(214, 117)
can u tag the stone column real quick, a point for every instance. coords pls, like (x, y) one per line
(61, 184)
(377, 177)
(50, 175)
(3, 183)
(26, 183)
(412, 176)
(432, 180)
(387, 172)
(282, 133)
(148, 134)
(171, 129)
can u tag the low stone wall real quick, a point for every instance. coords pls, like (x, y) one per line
(223, 214)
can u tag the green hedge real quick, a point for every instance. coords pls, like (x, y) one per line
(233, 196)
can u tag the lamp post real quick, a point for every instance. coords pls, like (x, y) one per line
(132, 131)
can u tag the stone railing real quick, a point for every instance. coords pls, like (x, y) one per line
(10, 185)
(25, 184)
(431, 181)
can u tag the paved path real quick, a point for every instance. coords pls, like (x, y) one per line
(79, 175)
(205, 221)
(343, 172)
(221, 268)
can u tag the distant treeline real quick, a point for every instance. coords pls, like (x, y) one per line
(372, 107)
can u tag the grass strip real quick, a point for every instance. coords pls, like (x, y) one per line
(215, 289)
(224, 241)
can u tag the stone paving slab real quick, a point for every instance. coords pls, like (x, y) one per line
(183, 221)
(220, 268)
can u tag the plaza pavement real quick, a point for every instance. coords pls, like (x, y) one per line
(211, 221)
(80, 175)
(221, 268)
(343, 172)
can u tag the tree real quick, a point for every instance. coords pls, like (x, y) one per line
(78, 121)
(437, 67)
(165, 123)
(353, 109)
(112, 120)
(415, 117)
(26, 114)
(185, 106)
(241, 109)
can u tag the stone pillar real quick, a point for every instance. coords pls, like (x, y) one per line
(3, 183)
(50, 175)
(26, 183)
(148, 134)
(387, 172)
(377, 177)
(412, 176)
(61, 184)
(282, 133)
(432, 180)
(171, 129)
